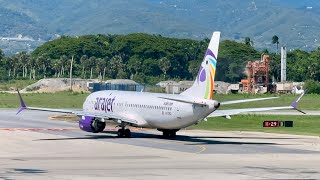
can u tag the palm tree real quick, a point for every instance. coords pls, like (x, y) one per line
(8, 64)
(56, 66)
(32, 64)
(15, 65)
(91, 64)
(43, 61)
(265, 51)
(134, 65)
(63, 62)
(23, 58)
(248, 41)
(107, 60)
(84, 62)
(164, 65)
(116, 66)
(100, 66)
(275, 40)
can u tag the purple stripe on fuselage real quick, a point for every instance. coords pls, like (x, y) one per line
(209, 52)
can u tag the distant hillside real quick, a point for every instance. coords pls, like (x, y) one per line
(296, 22)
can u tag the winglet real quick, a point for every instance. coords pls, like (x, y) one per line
(22, 105)
(294, 104)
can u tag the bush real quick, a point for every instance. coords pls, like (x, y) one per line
(312, 86)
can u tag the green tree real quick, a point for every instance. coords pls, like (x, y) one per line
(23, 59)
(237, 54)
(122, 74)
(107, 61)
(275, 67)
(43, 61)
(235, 72)
(64, 63)
(56, 67)
(115, 66)
(91, 65)
(297, 65)
(84, 62)
(193, 67)
(150, 67)
(15, 64)
(134, 65)
(32, 66)
(100, 67)
(1, 55)
(164, 65)
(314, 65)
(8, 64)
(312, 86)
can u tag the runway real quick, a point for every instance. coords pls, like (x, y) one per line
(33, 147)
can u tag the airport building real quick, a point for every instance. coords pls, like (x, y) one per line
(173, 87)
(115, 84)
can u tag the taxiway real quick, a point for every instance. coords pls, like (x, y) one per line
(33, 147)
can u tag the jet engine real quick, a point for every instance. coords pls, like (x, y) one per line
(216, 104)
(91, 124)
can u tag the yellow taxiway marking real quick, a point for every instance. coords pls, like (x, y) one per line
(203, 148)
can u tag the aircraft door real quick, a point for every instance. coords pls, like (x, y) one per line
(177, 112)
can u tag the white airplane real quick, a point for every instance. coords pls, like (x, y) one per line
(165, 112)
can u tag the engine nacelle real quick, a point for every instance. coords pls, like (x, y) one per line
(216, 104)
(90, 124)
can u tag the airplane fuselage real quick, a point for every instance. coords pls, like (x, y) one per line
(148, 109)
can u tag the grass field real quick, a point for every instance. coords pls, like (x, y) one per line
(50, 100)
(303, 125)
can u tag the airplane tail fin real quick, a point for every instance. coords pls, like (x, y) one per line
(204, 84)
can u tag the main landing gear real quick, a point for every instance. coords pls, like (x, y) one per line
(123, 132)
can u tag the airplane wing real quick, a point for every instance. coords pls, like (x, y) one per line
(80, 113)
(228, 113)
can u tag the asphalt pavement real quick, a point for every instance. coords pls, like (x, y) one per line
(34, 147)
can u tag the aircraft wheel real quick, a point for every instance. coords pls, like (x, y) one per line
(120, 133)
(166, 134)
(127, 133)
(169, 134)
(173, 134)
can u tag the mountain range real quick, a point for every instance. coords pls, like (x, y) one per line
(295, 22)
